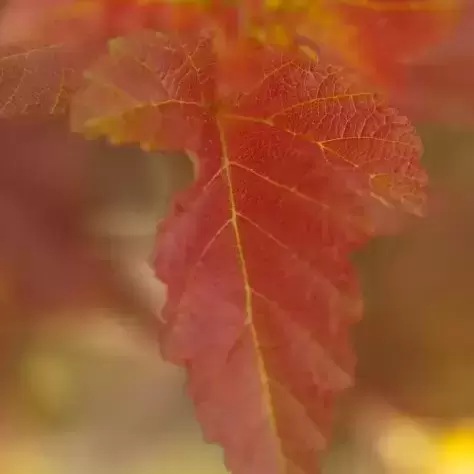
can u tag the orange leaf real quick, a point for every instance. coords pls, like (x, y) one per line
(291, 176)
(38, 79)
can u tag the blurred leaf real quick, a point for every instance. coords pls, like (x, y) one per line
(38, 79)
(388, 32)
(437, 84)
(374, 36)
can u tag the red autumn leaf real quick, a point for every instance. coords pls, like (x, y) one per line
(39, 79)
(291, 176)
(46, 45)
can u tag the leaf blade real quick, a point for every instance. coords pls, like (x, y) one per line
(255, 253)
(38, 78)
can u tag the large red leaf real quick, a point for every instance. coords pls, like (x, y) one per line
(291, 176)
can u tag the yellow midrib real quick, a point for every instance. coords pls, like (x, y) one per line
(263, 376)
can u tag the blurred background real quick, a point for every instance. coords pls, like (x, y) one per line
(84, 389)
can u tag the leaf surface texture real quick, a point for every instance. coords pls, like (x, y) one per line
(38, 79)
(291, 176)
